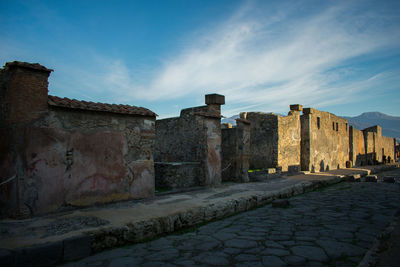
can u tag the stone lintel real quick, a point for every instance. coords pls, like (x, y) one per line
(296, 107)
(215, 99)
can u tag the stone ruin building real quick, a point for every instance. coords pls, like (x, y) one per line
(187, 148)
(58, 152)
(236, 151)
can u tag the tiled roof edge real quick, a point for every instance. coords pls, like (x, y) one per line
(102, 107)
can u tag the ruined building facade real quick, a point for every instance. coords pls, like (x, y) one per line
(236, 150)
(58, 152)
(187, 148)
(315, 141)
(275, 140)
(324, 141)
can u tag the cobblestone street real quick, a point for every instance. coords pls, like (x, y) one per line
(334, 226)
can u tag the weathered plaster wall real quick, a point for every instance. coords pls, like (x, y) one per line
(388, 148)
(80, 158)
(380, 147)
(236, 152)
(61, 156)
(357, 147)
(289, 138)
(325, 141)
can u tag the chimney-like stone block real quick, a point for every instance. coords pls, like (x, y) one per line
(215, 99)
(296, 107)
(25, 91)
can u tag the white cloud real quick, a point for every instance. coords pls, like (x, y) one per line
(262, 59)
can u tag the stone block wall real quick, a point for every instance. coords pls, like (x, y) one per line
(174, 175)
(236, 151)
(324, 141)
(69, 152)
(275, 140)
(263, 140)
(194, 137)
(289, 139)
(357, 147)
(379, 147)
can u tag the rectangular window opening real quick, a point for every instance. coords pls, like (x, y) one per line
(337, 127)
(333, 125)
(318, 122)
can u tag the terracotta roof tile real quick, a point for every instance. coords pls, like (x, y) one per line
(84, 105)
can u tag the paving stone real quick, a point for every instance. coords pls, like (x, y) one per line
(273, 261)
(157, 264)
(250, 264)
(343, 235)
(255, 251)
(294, 260)
(186, 263)
(273, 244)
(336, 249)
(164, 255)
(310, 253)
(231, 251)
(161, 244)
(224, 236)
(315, 264)
(246, 257)
(216, 258)
(240, 243)
(209, 245)
(320, 229)
(287, 243)
(124, 261)
(275, 252)
(280, 237)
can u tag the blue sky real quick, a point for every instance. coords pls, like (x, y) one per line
(338, 56)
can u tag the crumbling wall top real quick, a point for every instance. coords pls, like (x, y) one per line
(26, 65)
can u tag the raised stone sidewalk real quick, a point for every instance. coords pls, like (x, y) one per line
(76, 234)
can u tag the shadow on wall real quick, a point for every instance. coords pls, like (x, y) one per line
(366, 159)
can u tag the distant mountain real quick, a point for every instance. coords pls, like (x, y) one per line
(390, 124)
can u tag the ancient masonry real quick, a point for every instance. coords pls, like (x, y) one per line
(57, 152)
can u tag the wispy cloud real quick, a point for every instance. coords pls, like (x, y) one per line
(267, 61)
(264, 57)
